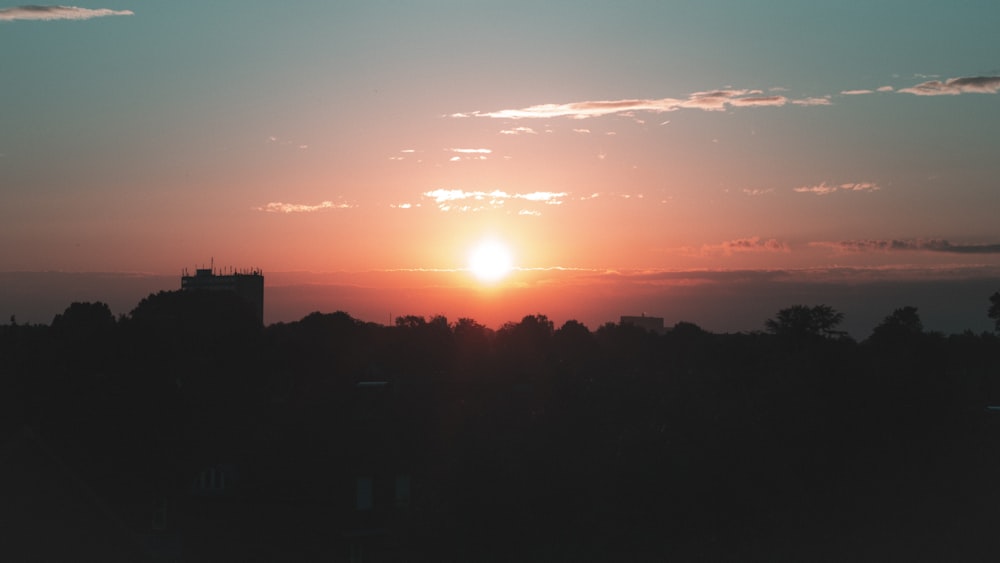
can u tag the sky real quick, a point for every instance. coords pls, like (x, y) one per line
(702, 161)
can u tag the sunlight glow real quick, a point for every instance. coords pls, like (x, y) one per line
(490, 261)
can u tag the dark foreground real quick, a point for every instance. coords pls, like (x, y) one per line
(186, 432)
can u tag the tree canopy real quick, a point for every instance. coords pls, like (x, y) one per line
(802, 321)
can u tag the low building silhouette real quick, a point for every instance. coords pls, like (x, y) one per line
(248, 284)
(653, 324)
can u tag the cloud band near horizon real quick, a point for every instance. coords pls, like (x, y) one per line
(723, 99)
(933, 245)
(49, 13)
(956, 86)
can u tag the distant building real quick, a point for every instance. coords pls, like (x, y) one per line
(654, 324)
(248, 284)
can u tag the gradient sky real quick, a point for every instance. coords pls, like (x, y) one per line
(601, 141)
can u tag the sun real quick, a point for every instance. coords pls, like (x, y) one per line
(490, 261)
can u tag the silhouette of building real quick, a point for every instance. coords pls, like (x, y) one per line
(248, 284)
(654, 324)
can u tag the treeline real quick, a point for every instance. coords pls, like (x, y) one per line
(531, 441)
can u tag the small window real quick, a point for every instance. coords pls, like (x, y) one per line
(212, 479)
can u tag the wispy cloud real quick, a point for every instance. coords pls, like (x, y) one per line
(956, 86)
(579, 110)
(48, 13)
(273, 140)
(721, 100)
(281, 207)
(759, 101)
(813, 101)
(715, 100)
(519, 131)
(462, 200)
(742, 245)
(469, 154)
(894, 245)
(712, 100)
(758, 191)
(827, 189)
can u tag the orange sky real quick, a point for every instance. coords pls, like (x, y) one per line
(344, 139)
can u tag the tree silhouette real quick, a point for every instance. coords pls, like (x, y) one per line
(573, 345)
(994, 312)
(901, 326)
(801, 321)
(472, 346)
(84, 332)
(81, 318)
(526, 344)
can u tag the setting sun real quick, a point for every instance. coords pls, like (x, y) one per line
(490, 261)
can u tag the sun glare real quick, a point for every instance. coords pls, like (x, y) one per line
(490, 261)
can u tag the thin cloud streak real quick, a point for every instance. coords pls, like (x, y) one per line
(897, 245)
(461, 200)
(722, 99)
(743, 245)
(519, 131)
(956, 86)
(281, 207)
(50, 13)
(712, 100)
(815, 101)
(825, 189)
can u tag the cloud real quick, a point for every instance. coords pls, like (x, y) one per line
(469, 154)
(860, 187)
(715, 100)
(710, 100)
(896, 245)
(277, 141)
(462, 200)
(758, 191)
(956, 86)
(824, 189)
(49, 13)
(580, 110)
(760, 101)
(519, 131)
(721, 100)
(751, 244)
(809, 102)
(821, 189)
(280, 207)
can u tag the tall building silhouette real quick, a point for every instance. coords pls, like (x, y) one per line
(248, 284)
